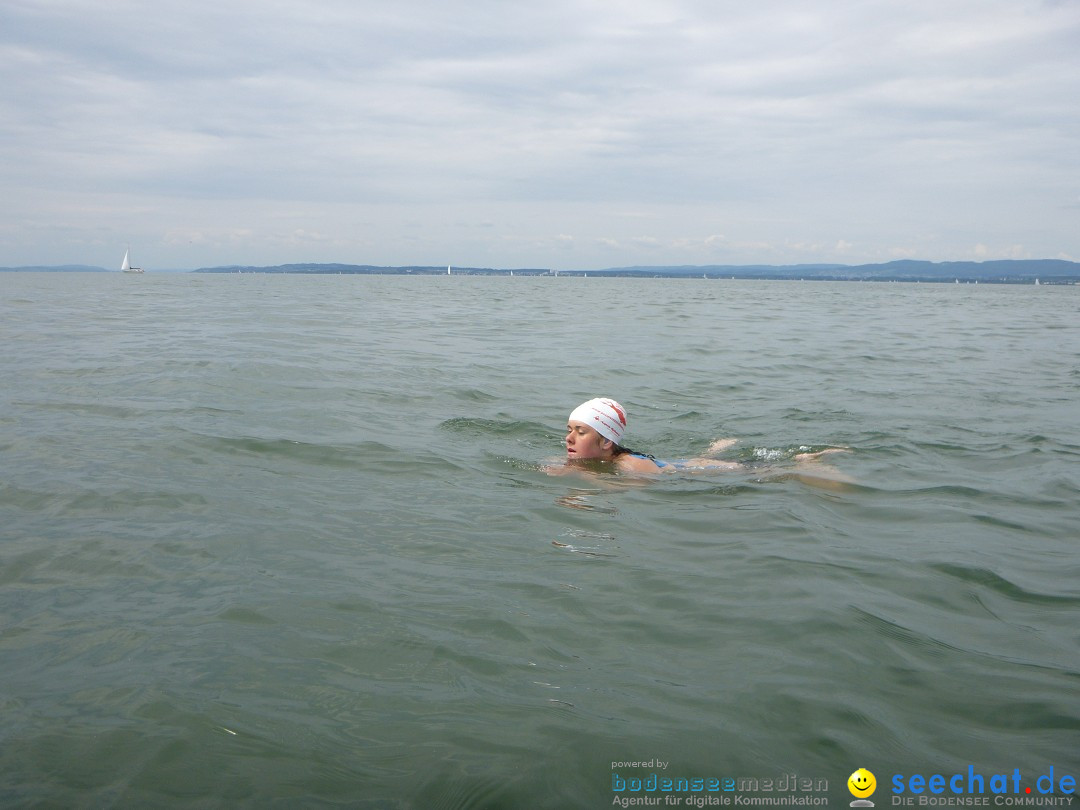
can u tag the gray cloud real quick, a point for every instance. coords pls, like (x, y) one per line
(350, 131)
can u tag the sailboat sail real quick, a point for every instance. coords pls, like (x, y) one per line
(126, 266)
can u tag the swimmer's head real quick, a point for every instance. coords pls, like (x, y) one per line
(606, 416)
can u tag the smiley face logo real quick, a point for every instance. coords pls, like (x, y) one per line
(862, 783)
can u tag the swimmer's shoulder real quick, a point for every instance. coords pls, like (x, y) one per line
(635, 462)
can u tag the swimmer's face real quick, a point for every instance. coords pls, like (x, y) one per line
(583, 442)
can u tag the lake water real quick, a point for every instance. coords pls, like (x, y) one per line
(292, 541)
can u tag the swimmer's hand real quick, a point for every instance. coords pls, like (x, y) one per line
(720, 445)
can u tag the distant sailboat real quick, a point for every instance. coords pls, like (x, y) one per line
(447, 269)
(126, 266)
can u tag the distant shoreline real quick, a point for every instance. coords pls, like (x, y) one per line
(1014, 271)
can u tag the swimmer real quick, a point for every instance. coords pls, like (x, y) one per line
(596, 428)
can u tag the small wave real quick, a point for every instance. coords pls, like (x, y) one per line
(772, 454)
(41, 499)
(468, 426)
(588, 552)
(587, 535)
(949, 490)
(779, 454)
(598, 543)
(986, 578)
(905, 636)
(245, 616)
(321, 454)
(87, 408)
(456, 790)
(472, 395)
(522, 464)
(582, 501)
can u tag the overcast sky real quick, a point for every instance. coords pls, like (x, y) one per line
(566, 134)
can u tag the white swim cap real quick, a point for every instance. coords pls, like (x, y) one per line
(606, 416)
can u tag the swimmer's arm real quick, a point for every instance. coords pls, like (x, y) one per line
(637, 464)
(634, 464)
(720, 445)
(708, 464)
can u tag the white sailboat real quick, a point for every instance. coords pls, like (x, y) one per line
(126, 266)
